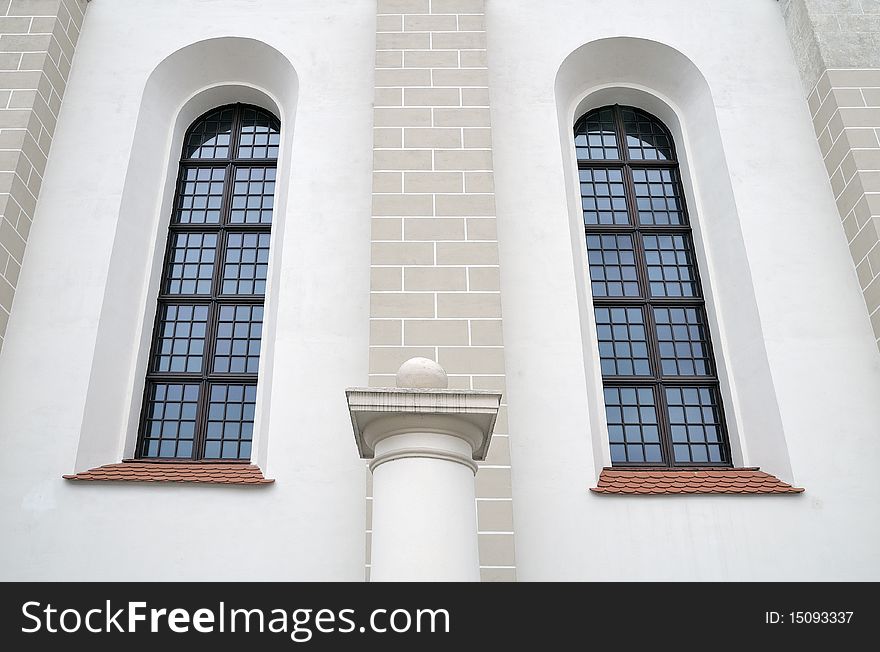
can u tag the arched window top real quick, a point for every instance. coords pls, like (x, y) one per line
(237, 131)
(599, 133)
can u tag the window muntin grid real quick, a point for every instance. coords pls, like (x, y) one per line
(239, 330)
(623, 341)
(633, 427)
(246, 263)
(190, 267)
(612, 261)
(230, 426)
(260, 134)
(683, 341)
(211, 135)
(658, 195)
(646, 137)
(171, 411)
(603, 199)
(253, 195)
(200, 195)
(180, 338)
(695, 424)
(670, 265)
(595, 137)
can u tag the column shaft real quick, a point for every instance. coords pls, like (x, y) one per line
(424, 513)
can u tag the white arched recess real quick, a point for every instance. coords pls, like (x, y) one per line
(662, 81)
(183, 86)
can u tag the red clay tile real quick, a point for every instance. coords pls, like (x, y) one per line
(642, 481)
(204, 473)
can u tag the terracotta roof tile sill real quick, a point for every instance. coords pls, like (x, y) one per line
(707, 480)
(236, 473)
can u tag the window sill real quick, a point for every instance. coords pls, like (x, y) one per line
(173, 471)
(665, 481)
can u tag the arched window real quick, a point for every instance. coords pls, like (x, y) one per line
(662, 399)
(202, 376)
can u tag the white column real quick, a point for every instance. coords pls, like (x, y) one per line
(424, 514)
(423, 440)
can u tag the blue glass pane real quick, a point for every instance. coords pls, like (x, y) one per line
(253, 196)
(612, 263)
(683, 341)
(237, 348)
(670, 266)
(595, 138)
(260, 135)
(246, 263)
(623, 342)
(646, 138)
(695, 424)
(603, 197)
(230, 421)
(180, 342)
(633, 430)
(171, 412)
(200, 196)
(210, 137)
(658, 196)
(190, 267)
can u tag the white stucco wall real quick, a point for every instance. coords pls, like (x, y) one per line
(817, 355)
(71, 372)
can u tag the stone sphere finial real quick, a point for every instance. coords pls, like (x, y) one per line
(422, 373)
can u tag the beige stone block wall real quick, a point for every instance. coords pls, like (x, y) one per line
(434, 277)
(836, 44)
(845, 105)
(37, 41)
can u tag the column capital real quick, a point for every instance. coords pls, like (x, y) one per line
(379, 413)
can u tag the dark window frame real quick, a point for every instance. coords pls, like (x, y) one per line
(207, 377)
(657, 381)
